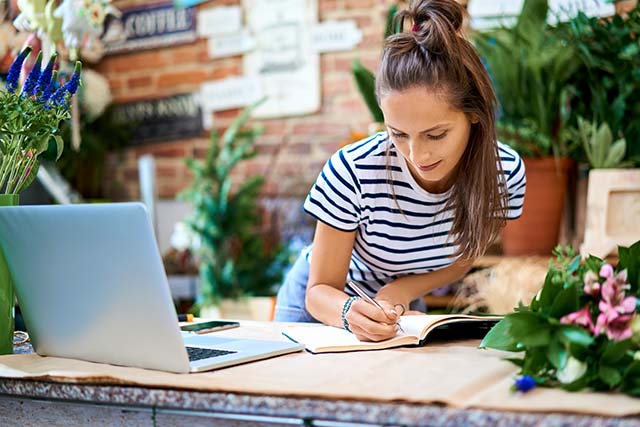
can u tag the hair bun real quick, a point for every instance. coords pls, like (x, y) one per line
(436, 23)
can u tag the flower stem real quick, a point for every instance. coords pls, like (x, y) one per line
(7, 164)
(28, 170)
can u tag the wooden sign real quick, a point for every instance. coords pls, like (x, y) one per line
(613, 211)
(163, 119)
(150, 26)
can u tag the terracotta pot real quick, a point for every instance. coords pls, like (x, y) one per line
(536, 231)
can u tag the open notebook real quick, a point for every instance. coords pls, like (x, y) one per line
(417, 329)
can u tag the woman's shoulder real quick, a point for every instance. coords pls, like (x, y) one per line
(371, 149)
(512, 163)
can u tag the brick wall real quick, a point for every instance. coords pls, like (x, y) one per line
(292, 149)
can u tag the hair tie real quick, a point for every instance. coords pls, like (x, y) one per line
(415, 28)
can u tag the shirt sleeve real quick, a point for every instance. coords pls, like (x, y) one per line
(516, 186)
(335, 196)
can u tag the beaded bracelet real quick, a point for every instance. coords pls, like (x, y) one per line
(345, 310)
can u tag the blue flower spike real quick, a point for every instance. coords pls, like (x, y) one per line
(524, 384)
(32, 78)
(74, 81)
(14, 71)
(46, 93)
(45, 77)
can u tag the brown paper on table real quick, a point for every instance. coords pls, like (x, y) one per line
(455, 374)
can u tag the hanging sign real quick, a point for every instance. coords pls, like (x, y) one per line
(162, 119)
(149, 27)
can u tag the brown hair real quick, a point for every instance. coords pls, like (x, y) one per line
(434, 54)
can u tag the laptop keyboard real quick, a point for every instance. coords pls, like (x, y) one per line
(197, 353)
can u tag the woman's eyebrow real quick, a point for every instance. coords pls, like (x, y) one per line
(424, 131)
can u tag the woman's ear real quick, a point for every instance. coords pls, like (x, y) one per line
(473, 119)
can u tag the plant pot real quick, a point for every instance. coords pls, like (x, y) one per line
(613, 209)
(536, 231)
(250, 308)
(7, 296)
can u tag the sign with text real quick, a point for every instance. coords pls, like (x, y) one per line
(162, 119)
(149, 27)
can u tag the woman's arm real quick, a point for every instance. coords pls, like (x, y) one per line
(325, 295)
(407, 288)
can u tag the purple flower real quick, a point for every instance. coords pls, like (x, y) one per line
(524, 383)
(15, 69)
(30, 84)
(45, 77)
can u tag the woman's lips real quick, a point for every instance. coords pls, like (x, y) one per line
(430, 167)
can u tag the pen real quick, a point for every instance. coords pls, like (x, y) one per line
(185, 317)
(362, 294)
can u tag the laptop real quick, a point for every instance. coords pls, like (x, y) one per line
(91, 286)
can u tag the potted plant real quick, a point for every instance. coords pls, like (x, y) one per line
(607, 92)
(29, 119)
(530, 67)
(235, 262)
(604, 231)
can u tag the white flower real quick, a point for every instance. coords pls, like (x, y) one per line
(573, 370)
(95, 95)
(182, 237)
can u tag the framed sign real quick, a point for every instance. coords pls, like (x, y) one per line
(150, 26)
(162, 119)
(283, 60)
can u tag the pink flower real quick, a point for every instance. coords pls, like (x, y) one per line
(606, 271)
(617, 329)
(615, 309)
(591, 284)
(581, 317)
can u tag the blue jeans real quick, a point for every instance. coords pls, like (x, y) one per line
(290, 306)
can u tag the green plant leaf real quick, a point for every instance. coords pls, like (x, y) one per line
(609, 375)
(530, 329)
(556, 352)
(630, 260)
(366, 82)
(576, 335)
(499, 338)
(566, 302)
(615, 351)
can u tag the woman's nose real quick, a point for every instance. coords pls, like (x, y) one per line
(418, 151)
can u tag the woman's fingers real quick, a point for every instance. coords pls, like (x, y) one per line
(372, 325)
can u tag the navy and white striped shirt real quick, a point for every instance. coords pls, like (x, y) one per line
(353, 193)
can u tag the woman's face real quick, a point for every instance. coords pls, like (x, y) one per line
(428, 133)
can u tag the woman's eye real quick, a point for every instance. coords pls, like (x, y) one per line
(398, 135)
(436, 137)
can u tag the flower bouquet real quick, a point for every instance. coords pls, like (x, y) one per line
(582, 330)
(29, 119)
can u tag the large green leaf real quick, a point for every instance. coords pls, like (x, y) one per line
(366, 82)
(499, 338)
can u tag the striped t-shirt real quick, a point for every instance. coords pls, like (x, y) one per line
(353, 193)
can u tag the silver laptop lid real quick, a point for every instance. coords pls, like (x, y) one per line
(91, 284)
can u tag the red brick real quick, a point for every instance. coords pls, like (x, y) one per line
(168, 191)
(162, 150)
(192, 78)
(189, 53)
(139, 82)
(359, 4)
(152, 59)
(167, 171)
(338, 85)
(300, 147)
(230, 70)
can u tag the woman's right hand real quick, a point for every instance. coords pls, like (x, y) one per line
(368, 323)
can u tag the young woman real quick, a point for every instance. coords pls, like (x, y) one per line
(408, 210)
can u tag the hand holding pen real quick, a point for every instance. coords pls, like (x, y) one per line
(372, 320)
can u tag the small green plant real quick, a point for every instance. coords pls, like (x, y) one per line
(234, 260)
(598, 145)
